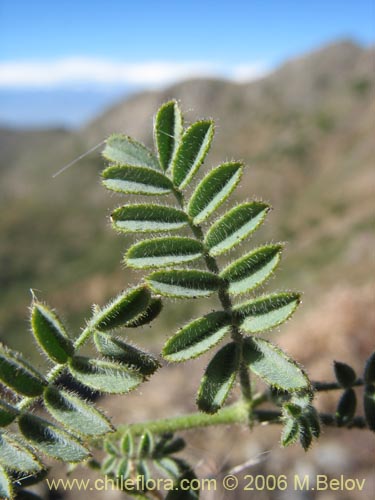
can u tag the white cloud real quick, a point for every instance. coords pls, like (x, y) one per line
(99, 72)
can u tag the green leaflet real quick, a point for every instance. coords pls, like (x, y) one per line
(15, 455)
(104, 376)
(266, 312)
(167, 132)
(6, 491)
(126, 151)
(136, 180)
(126, 307)
(160, 252)
(234, 226)
(7, 413)
(169, 466)
(19, 375)
(369, 373)
(127, 444)
(290, 432)
(197, 337)
(346, 407)
(148, 218)
(191, 152)
(124, 468)
(148, 315)
(51, 440)
(273, 366)
(109, 465)
(50, 333)
(145, 445)
(184, 283)
(213, 190)
(126, 354)
(369, 406)
(252, 269)
(218, 379)
(345, 375)
(72, 412)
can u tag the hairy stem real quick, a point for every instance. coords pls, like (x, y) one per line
(333, 386)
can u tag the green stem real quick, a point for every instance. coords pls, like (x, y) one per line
(225, 301)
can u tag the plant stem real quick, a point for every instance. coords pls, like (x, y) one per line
(333, 386)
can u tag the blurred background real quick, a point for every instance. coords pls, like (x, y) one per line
(291, 86)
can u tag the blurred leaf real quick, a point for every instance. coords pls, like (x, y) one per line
(7, 413)
(51, 440)
(290, 432)
(136, 180)
(369, 406)
(146, 445)
(346, 407)
(104, 376)
(191, 152)
(184, 283)
(124, 468)
(50, 333)
(197, 337)
(74, 413)
(19, 375)
(218, 379)
(109, 465)
(273, 366)
(234, 226)
(148, 218)
(167, 131)
(126, 151)
(305, 433)
(127, 306)
(127, 444)
(251, 270)
(264, 313)
(161, 252)
(126, 354)
(213, 190)
(15, 455)
(6, 490)
(369, 375)
(345, 374)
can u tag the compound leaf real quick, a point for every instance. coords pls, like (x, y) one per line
(184, 283)
(7, 413)
(16, 456)
(273, 366)
(124, 150)
(50, 333)
(218, 379)
(160, 252)
(105, 376)
(148, 218)
(234, 226)
(77, 415)
(197, 337)
(266, 312)
(136, 180)
(126, 307)
(167, 131)
(192, 151)
(19, 375)
(126, 354)
(252, 269)
(51, 440)
(213, 190)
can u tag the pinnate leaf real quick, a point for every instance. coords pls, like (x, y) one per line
(125, 354)
(148, 218)
(51, 440)
(197, 337)
(124, 150)
(184, 283)
(252, 269)
(136, 180)
(234, 226)
(16, 456)
(19, 375)
(50, 333)
(213, 190)
(273, 366)
(160, 252)
(105, 376)
(168, 131)
(74, 413)
(218, 379)
(266, 312)
(126, 307)
(191, 152)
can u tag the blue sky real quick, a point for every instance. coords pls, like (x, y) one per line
(128, 44)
